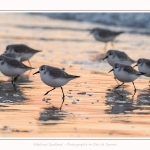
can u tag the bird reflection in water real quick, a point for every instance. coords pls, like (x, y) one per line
(120, 103)
(52, 114)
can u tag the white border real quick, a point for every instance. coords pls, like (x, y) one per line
(21, 6)
(78, 5)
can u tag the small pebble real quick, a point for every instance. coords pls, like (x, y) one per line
(89, 94)
(83, 93)
(70, 96)
(108, 89)
(74, 102)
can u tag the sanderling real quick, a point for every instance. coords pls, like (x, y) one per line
(54, 77)
(144, 66)
(13, 55)
(125, 73)
(115, 56)
(12, 68)
(23, 50)
(104, 35)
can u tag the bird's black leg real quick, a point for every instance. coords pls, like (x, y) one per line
(15, 78)
(134, 87)
(119, 85)
(117, 88)
(13, 81)
(116, 81)
(62, 92)
(49, 91)
(63, 98)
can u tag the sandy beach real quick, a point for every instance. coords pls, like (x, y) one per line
(91, 108)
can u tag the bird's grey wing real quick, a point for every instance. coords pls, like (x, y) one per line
(16, 64)
(122, 55)
(105, 33)
(58, 73)
(25, 49)
(130, 70)
(12, 55)
(20, 48)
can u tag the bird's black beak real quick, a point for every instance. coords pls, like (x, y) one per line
(36, 72)
(135, 65)
(111, 70)
(105, 57)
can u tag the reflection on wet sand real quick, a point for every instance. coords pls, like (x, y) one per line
(128, 104)
(9, 95)
(119, 104)
(142, 105)
(51, 115)
(23, 79)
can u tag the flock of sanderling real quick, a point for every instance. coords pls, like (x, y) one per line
(11, 64)
(120, 61)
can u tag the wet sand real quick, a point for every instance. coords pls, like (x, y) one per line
(91, 107)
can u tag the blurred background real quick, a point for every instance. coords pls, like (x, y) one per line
(132, 20)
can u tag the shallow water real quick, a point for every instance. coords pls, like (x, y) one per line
(91, 108)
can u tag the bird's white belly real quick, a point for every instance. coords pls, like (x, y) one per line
(144, 69)
(53, 82)
(124, 76)
(111, 60)
(26, 56)
(10, 71)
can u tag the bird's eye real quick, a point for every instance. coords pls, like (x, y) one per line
(42, 68)
(139, 61)
(110, 53)
(116, 66)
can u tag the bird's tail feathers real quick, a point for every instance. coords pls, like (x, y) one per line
(141, 73)
(73, 76)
